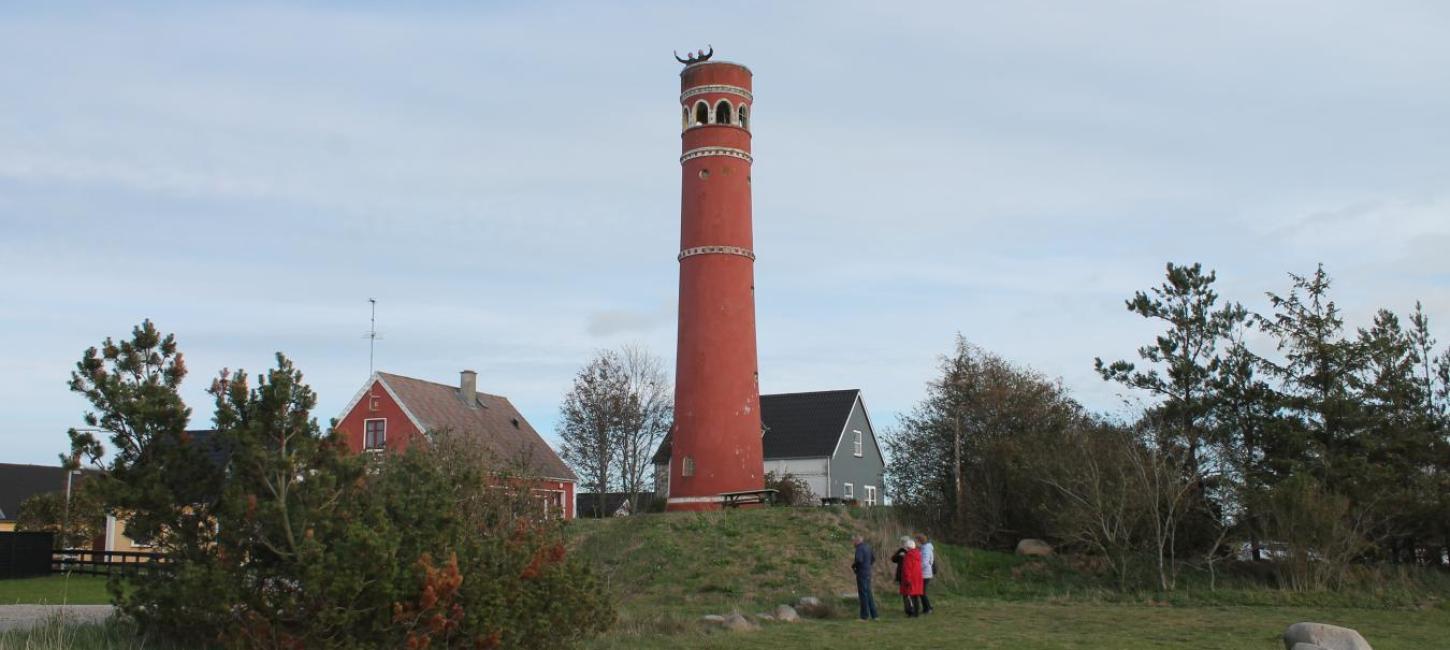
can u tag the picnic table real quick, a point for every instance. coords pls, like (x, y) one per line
(747, 497)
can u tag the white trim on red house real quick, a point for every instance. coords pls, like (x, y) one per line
(404, 407)
(358, 397)
(418, 424)
(377, 377)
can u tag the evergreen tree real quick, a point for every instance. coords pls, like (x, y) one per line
(159, 479)
(1319, 377)
(1184, 358)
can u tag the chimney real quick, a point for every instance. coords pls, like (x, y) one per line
(468, 387)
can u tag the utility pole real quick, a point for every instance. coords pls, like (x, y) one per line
(372, 332)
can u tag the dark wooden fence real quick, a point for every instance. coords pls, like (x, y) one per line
(25, 555)
(104, 563)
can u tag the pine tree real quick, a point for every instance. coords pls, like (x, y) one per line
(1319, 376)
(1184, 359)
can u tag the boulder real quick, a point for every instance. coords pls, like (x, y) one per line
(1306, 646)
(737, 623)
(786, 614)
(1034, 548)
(1328, 637)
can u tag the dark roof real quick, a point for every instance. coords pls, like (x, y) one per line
(211, 445)
(797, 425)
(507, 434)
(805, 425)
(20, 482)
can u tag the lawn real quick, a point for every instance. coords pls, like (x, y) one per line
(667, 570)
(55, 590)
(971, 623)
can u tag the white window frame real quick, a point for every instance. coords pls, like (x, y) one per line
(848, 491)
(870, 495)
(860, 443)
(382, 444)
(548, 497)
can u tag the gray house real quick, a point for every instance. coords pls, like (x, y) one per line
(824, 438)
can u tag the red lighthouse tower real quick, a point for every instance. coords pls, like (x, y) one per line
(716, 435)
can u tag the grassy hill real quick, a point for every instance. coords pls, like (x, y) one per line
(670, 569)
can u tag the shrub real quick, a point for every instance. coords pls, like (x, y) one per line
(790, 490)
(291, 541)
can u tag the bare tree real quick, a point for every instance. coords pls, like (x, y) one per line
(592, 416)
(651, 400)
(616, 414)
(1165, 478)
(1101, 505)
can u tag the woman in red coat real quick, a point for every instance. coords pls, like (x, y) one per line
(908, 573)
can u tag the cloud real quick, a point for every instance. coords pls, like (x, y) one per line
(503, 178)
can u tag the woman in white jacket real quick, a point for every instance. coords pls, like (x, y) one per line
(928, 569)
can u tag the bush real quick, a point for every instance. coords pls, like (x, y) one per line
(290, 541)
(1321, 533)
(789, 489)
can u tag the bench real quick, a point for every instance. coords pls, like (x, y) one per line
(747, 498)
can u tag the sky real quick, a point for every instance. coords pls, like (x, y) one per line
(503, 179)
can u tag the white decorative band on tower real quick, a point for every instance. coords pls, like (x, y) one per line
(717, 250)
(716, 151)
(717, 88)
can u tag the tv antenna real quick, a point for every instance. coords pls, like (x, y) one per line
(372, 335)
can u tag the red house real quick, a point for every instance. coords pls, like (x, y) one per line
(392, 411)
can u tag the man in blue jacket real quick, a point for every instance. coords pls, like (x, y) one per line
(862, 566)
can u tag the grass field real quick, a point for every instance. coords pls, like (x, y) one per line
(55, 590)
(668, 570)
(968, 623)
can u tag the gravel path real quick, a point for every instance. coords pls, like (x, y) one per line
(16, 617)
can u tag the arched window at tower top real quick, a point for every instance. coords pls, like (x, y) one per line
(744, 115)
(722, 112)
(702, 113)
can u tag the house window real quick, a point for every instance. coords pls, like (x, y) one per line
(375, 433)
(860, 448)
(850, 492)
(870, 495)
(551, 503)
(373, 402)
(688, 468)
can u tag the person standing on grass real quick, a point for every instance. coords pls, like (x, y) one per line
(865, 559)
(928, 569)
(908, 573)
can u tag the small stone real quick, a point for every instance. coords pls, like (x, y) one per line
(713, 618)
(1034, 548)
(850, 595)
(1323, 635)
(762, 616)
(737, 623)
(786, 614)
(809, 601)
